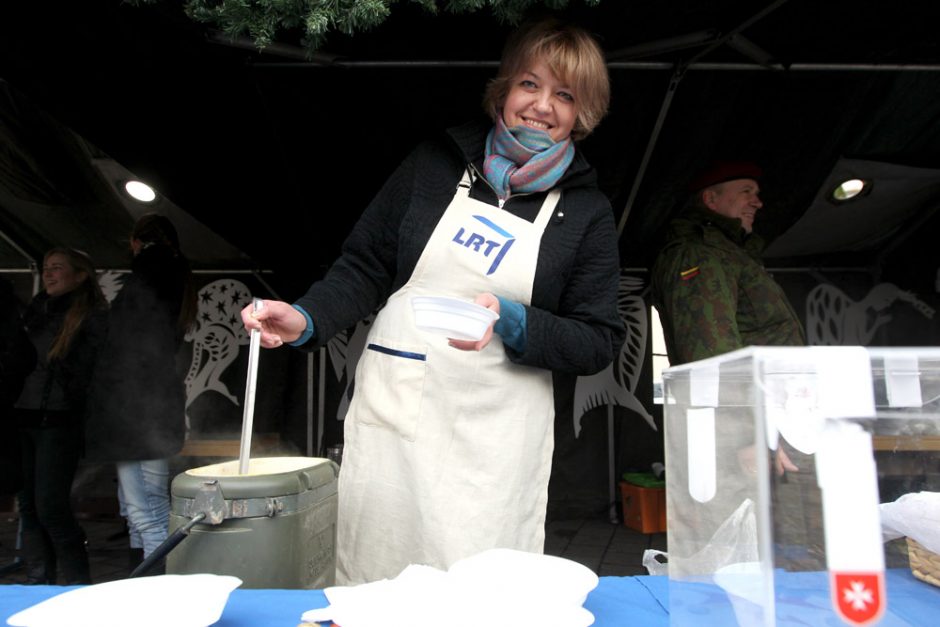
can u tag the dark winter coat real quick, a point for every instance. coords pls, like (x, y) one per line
(713, 293)
(60, 385)
(17, 360)
(572, 323)
(137, 403)
(17, 354)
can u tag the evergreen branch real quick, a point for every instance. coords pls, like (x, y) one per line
(263, 20)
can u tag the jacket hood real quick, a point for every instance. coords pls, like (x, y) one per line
(469, 140)
(154, 258)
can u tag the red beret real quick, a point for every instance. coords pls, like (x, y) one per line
(721, 171)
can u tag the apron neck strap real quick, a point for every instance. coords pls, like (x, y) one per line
(548, 208)
(466, 181)
(545, 213)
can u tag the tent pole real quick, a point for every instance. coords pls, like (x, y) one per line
(321, 403)
(271, 290)
(731, 34)
(32, 265)
(650, 145)
(618, 65)
(612, 482)
(677, 73)
(309, 408)
(19, 249)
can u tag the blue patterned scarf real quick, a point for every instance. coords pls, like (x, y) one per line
(523, 159)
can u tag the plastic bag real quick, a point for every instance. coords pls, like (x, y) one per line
(914, 515)
(654, 566)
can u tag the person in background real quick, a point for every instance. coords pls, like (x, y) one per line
(137, 403)
(708, 282)
(17, 360)
(714, 296)
(66, 324)
(448, 443)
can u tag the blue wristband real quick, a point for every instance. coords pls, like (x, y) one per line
(511, 324)
(307, 333)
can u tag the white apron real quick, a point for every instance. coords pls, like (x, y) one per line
(447, 452)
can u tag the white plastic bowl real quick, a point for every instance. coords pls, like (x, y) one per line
(452, 317)
(180, 600)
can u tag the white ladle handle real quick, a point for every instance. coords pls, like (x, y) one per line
(244, 452)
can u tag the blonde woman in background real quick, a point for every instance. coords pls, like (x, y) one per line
(66, 324)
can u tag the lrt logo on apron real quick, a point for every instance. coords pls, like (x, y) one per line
(488, 245)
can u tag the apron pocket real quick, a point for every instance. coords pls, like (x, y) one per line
(393, 377)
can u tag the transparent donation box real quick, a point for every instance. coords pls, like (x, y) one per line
(777, 461)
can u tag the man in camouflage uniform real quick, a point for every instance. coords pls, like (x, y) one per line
(709, 285)
(714, 296)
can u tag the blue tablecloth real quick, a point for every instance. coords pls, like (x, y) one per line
(802, 600)
(616, 602)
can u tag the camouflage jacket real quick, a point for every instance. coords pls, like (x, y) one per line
(713, 293)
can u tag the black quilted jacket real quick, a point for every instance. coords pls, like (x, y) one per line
(572, 324)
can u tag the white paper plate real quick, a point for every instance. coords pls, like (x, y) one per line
(742, 579)
(177, 600)
(496, 588)
(452, 317)
(519, 574)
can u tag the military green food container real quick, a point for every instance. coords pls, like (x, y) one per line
(272, 527)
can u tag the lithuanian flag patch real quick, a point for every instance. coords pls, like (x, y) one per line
(685, 275)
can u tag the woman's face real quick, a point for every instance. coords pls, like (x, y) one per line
(58, 275)
(539, 99)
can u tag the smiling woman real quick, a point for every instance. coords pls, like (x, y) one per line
(504, 212)
(552, 88)
(567, 65)
(66, 324)
(542, 101)
(58, 274)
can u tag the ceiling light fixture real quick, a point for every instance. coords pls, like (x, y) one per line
(140, 191)
(849, 190)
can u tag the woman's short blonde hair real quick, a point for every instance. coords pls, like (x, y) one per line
(571, 53)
